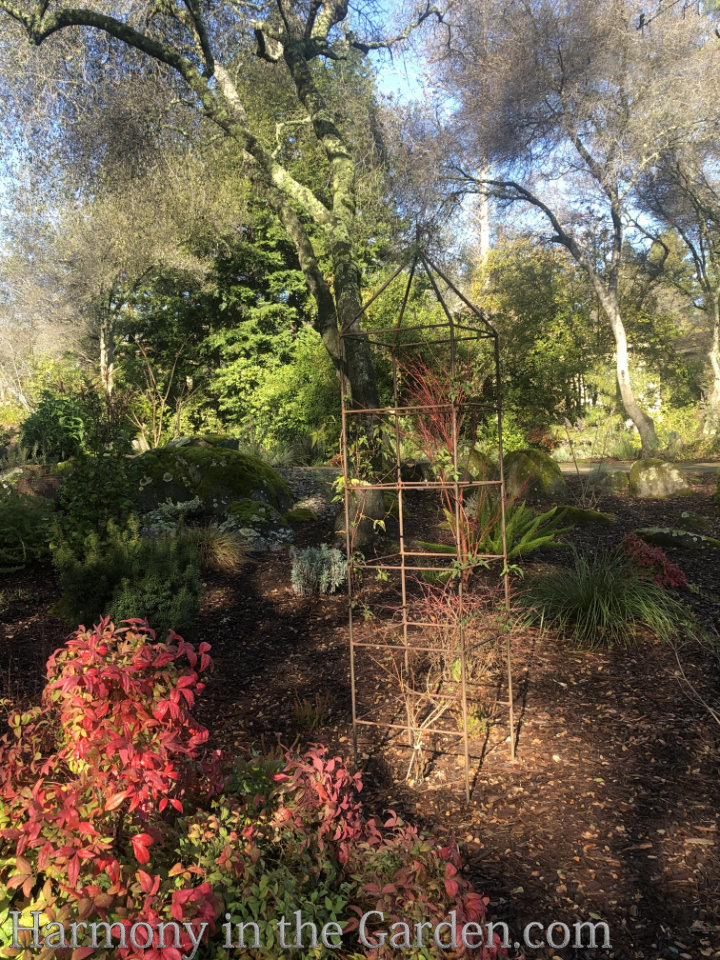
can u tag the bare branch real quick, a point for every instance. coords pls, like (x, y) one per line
(427, 12)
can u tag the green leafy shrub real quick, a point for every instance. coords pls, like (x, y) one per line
(57, 428)
(317, 570)
(25, 529)
(97, 494)
(127, 574)
(602, 600)
(68, 424)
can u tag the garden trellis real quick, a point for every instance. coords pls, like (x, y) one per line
(433, 616)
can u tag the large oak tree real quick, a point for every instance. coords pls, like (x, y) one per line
(206, 46)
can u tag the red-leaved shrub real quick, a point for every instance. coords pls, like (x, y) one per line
(91, 780)
(112, 810)
(654, 561)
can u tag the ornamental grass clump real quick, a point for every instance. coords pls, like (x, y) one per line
(602, 600)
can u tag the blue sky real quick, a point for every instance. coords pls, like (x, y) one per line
(399, 76)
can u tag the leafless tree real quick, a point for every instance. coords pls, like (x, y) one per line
(561, 106)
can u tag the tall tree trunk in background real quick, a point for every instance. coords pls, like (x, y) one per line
(643, 422)
(712, 400)
(484, 220)
(107, 356)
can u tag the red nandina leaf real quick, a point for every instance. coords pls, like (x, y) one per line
(140, 843)
(114, 801)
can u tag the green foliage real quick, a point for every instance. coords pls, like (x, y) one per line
(58, 429)
(317, 570)
(481, 529)
(602, 600)
(96, 494)
(126, 575)
(68, 424)
(286, 398)
(25, 529)
(550, 337)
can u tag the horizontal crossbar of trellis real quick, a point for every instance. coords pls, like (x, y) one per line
(417, 407)
(393, 625)
(477, 333)
(460, 734)
(450, 557)
(426, 485)
(429, 569)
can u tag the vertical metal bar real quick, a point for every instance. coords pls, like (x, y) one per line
(506, 572)
(350, 569)
(401, 531)
(461, 554)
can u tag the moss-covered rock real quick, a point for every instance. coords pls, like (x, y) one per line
(300, 515)
(479, 466)
(253, 513)
(585, 517)
(610, 481)
(693, 521)
(657, 478)
(533, 472)
(216, 475)
(367, 516)
(221, 440)
(682, 539)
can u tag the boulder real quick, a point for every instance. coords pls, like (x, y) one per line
(301, 515)
(367, 511)
(657, 478)
(253, 513)
(38, 481)
(682, 539)
(479, 466)
(216, 475)
(584, 517)
(609, 481)
(533, 472)
(693, 521)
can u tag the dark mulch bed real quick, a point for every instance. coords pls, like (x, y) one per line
(611, 808)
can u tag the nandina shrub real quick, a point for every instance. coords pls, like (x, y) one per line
(653, 561)
(92, 780)
(297, 839)
(110, 811)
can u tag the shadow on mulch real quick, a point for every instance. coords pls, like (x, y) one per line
(610, 811)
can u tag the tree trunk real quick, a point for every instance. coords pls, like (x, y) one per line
(712, 400)
(484, 219)
(359, 368)
(643, 422)
(107, 357)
